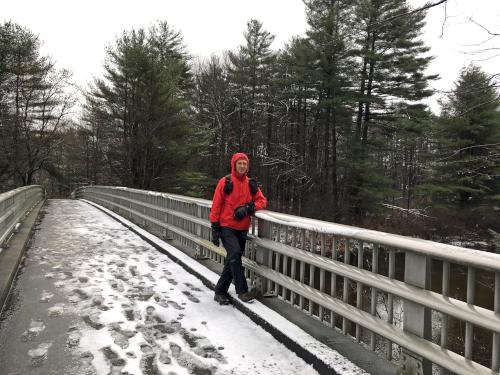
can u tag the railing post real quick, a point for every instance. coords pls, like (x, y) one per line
(262, 257)
(417, 318)
(200, 253)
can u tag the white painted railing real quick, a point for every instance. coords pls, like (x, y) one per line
(15, 205)
(373, 286)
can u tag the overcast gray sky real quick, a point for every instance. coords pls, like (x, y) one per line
(75, 33)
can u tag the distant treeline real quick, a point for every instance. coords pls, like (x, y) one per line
(334, 124)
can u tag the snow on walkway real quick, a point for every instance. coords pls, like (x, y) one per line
(138, 311)
(94, 298)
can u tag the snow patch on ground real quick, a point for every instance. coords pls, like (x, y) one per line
(136, 311)
(119, 306)
(329, 356)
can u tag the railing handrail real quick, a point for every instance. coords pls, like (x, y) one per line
(452, 253)
(22, 201)
(455, 254)
(11, 193)
(182, 198)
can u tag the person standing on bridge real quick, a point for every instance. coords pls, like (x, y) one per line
(236, 198)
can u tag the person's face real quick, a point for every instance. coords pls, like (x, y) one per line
(241, 166)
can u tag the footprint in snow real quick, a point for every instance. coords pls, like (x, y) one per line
(46, 296)
(39, 355)
(83, 295)
(191, 297)
(92, 321)
(148, 365)
(73, 339)
(115, 362)
(195, 289)
(36, 326)
(83, 279)
(56, 311)
(86, 358)
(59, 284)
(175, 305)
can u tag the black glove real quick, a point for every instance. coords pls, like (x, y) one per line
(216, 233)
(250, 207)
(242, 211)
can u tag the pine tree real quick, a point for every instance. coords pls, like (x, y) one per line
(295, 97)
(145, 93)
(213, 107)
(391, 83)
(250, 76)
(467, 171)
(330, 24)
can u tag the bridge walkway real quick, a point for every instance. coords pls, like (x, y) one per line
(92, 297)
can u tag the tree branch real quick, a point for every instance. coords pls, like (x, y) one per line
(444, 19)
(468, 148)
(396, 16)
(483, 27)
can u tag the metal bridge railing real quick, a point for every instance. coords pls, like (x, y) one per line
(15, 205)
(373, 286)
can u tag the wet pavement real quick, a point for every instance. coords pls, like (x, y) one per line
(91, 297)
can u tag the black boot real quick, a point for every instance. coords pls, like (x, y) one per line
(221, 299)
(246, 297)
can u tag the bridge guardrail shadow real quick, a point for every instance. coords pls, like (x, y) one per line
(372, 286)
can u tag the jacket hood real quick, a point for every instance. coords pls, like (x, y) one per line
(234, 159)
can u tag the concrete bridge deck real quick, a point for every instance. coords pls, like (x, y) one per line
(92, 297)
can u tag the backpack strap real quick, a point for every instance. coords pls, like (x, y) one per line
(252, 185)
(228, 186)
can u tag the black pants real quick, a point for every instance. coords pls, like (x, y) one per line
(234, 242)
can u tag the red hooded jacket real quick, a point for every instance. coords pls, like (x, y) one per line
(223, 205)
